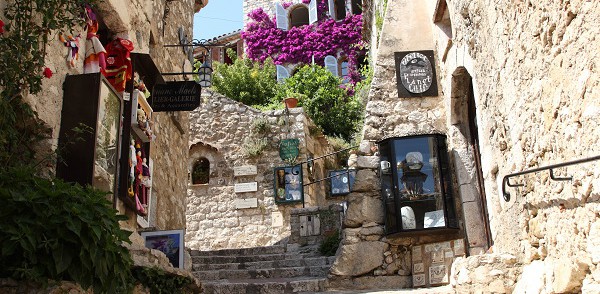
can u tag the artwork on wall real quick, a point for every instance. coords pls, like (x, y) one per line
(288, 185)
(168, 242)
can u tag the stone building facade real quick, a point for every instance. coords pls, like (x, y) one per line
(517, 87)
(148, 25)
(225, 134)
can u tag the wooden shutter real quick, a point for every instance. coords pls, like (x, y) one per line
(331, 64)
(312, 12)
(282, 73)
(332, 9)
(282, 17)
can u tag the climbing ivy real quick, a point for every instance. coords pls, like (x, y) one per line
(29, 26)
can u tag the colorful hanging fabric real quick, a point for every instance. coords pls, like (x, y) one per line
(72, 44)
(95, 54)
(118, 63)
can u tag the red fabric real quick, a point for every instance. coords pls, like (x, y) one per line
(1, 27)
(118, 63)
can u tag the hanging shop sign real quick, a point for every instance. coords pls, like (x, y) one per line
(415, 74)
(288, 149)
(175, 96)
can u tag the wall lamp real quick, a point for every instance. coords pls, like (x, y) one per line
(204, 72)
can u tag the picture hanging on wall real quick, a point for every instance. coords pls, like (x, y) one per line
(168, 242)
(288, 185)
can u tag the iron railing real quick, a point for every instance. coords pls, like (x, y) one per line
(506, 180)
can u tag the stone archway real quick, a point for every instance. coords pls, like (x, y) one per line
(464, 132)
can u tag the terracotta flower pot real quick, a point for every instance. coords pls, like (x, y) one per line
(290, 102)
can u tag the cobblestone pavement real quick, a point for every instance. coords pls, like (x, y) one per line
(434, 290)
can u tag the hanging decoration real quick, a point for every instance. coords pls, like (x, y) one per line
(139, 177)
(47, 72)
(72, 44)
(95, 54)
(118, 63)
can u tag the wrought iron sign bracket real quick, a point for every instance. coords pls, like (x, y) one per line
(506, 180)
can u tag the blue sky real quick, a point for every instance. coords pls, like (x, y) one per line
(217, 18)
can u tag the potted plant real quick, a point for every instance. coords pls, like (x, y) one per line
(292, 98)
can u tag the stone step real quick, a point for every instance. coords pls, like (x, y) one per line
(265, 286)
(276, 249)
(287, 272)
(216, 259)
(296, 262)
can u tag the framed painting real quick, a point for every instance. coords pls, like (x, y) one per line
(168, 242)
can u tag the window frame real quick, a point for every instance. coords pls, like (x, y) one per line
(393, 199)
(196, 163)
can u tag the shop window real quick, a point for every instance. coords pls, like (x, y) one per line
(416, 184)
(299, 16)
(201, 172)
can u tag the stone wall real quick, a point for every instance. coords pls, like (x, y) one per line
(221, 130)
(535, 88)
(141, 21)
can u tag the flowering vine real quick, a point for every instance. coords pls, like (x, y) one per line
(301, 44)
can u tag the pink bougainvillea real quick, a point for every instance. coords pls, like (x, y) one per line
(300, 44)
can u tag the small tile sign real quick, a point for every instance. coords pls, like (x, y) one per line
(246, 203)
(246, 187)
(245, 170)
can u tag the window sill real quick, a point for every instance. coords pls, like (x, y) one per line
(421, 232)
(198, 185)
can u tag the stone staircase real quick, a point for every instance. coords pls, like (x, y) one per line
(270, 269)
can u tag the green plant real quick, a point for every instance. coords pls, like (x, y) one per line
(29, 26)
(254, 147)
(330, 244)
(55, 230)
(158, 281)
(326, 103)
(246, 81)
(338, 144)
(260, 126)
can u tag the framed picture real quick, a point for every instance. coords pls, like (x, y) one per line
(168, 242)
(288, 184)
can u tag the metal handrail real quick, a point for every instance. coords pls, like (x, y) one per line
(506, 179)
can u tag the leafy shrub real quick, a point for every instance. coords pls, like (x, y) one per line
(55, 230)
(159, 281)
(246, 81)
(330, 244)
(327, 104)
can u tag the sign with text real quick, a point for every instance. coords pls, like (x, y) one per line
(246, 203)
(288, 149)
(246, 187)
(175, 96)
(415, 74)
(244, 170)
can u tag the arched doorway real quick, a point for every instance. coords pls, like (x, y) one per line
(468, 161)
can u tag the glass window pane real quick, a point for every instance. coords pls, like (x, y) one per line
(421, 201)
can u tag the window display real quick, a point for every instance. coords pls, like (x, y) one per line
(90, 131)
(415, 183)
(341, 181)
(288, 184)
